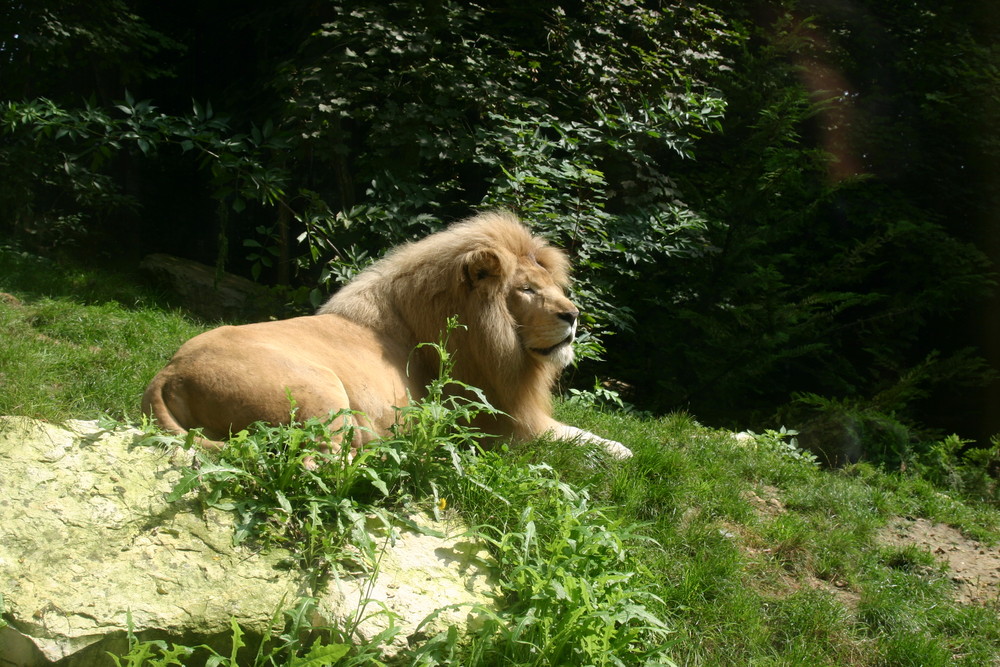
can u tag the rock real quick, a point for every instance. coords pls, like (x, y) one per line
(209, 295)
(87, 540)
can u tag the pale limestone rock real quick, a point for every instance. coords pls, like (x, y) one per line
(86, 538)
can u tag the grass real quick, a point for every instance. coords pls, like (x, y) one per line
(77, 343)
(700, 550)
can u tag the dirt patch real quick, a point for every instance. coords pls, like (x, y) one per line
(765, 500)
(972, 566)
(10, 300)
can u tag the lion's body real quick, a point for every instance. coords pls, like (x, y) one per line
(225, 379)
(360, 351)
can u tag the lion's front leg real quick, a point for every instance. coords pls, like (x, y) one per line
(573, 434)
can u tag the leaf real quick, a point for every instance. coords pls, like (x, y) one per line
(423, 530)
(190, 480)
(283, 502)
(237, 641)
(322, 655)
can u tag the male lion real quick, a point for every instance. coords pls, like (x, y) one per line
(359, 352)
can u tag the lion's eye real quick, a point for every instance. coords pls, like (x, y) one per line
(528, 289)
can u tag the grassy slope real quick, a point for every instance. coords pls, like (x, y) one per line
(766, 559)
(76, 344)
(759, 558)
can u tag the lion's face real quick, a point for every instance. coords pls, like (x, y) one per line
(546, 319)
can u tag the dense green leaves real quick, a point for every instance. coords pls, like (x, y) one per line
(566, 121)
(827, 271)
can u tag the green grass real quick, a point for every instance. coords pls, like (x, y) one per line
(77, 344)
(701, 550)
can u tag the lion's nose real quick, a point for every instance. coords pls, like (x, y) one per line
(569, 316)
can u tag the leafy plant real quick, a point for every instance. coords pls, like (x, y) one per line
(289, 486)
(516, 119)
(572, 591)
(576, 599)
(301, 486)
(783, 442)
(299, 644)
(72, 148)
(596, 397)
(959, 465)
(432, 434)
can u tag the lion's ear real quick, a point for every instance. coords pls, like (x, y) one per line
(480, 264)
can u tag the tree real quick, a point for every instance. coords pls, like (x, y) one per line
(832, 270)
(411, 114)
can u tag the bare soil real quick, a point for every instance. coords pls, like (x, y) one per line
(972, 566)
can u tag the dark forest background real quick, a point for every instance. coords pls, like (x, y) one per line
(776, 209)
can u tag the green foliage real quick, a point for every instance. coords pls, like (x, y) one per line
(575, 594)
(824, 274)
(958, 465)
(433, 434)
(71, 149)
(288, 488)
(597, 397)
(840, 432)
(300, 486)
(783, 443)
(568, 124)
(300, 644)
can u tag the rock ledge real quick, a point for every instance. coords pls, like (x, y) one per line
(88, 540)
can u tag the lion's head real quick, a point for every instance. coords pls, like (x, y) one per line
(508, 289)
(546, 320)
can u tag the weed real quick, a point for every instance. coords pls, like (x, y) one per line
(287, 488)
(427, 443)
(299, 644)
(952, 463)
(573, 592)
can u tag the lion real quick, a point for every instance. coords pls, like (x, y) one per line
(364, 350)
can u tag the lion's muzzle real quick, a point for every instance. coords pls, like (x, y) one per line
(570, 318)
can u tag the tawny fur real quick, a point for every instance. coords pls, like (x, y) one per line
(359, 352)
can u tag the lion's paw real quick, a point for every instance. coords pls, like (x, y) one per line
(614, 449)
